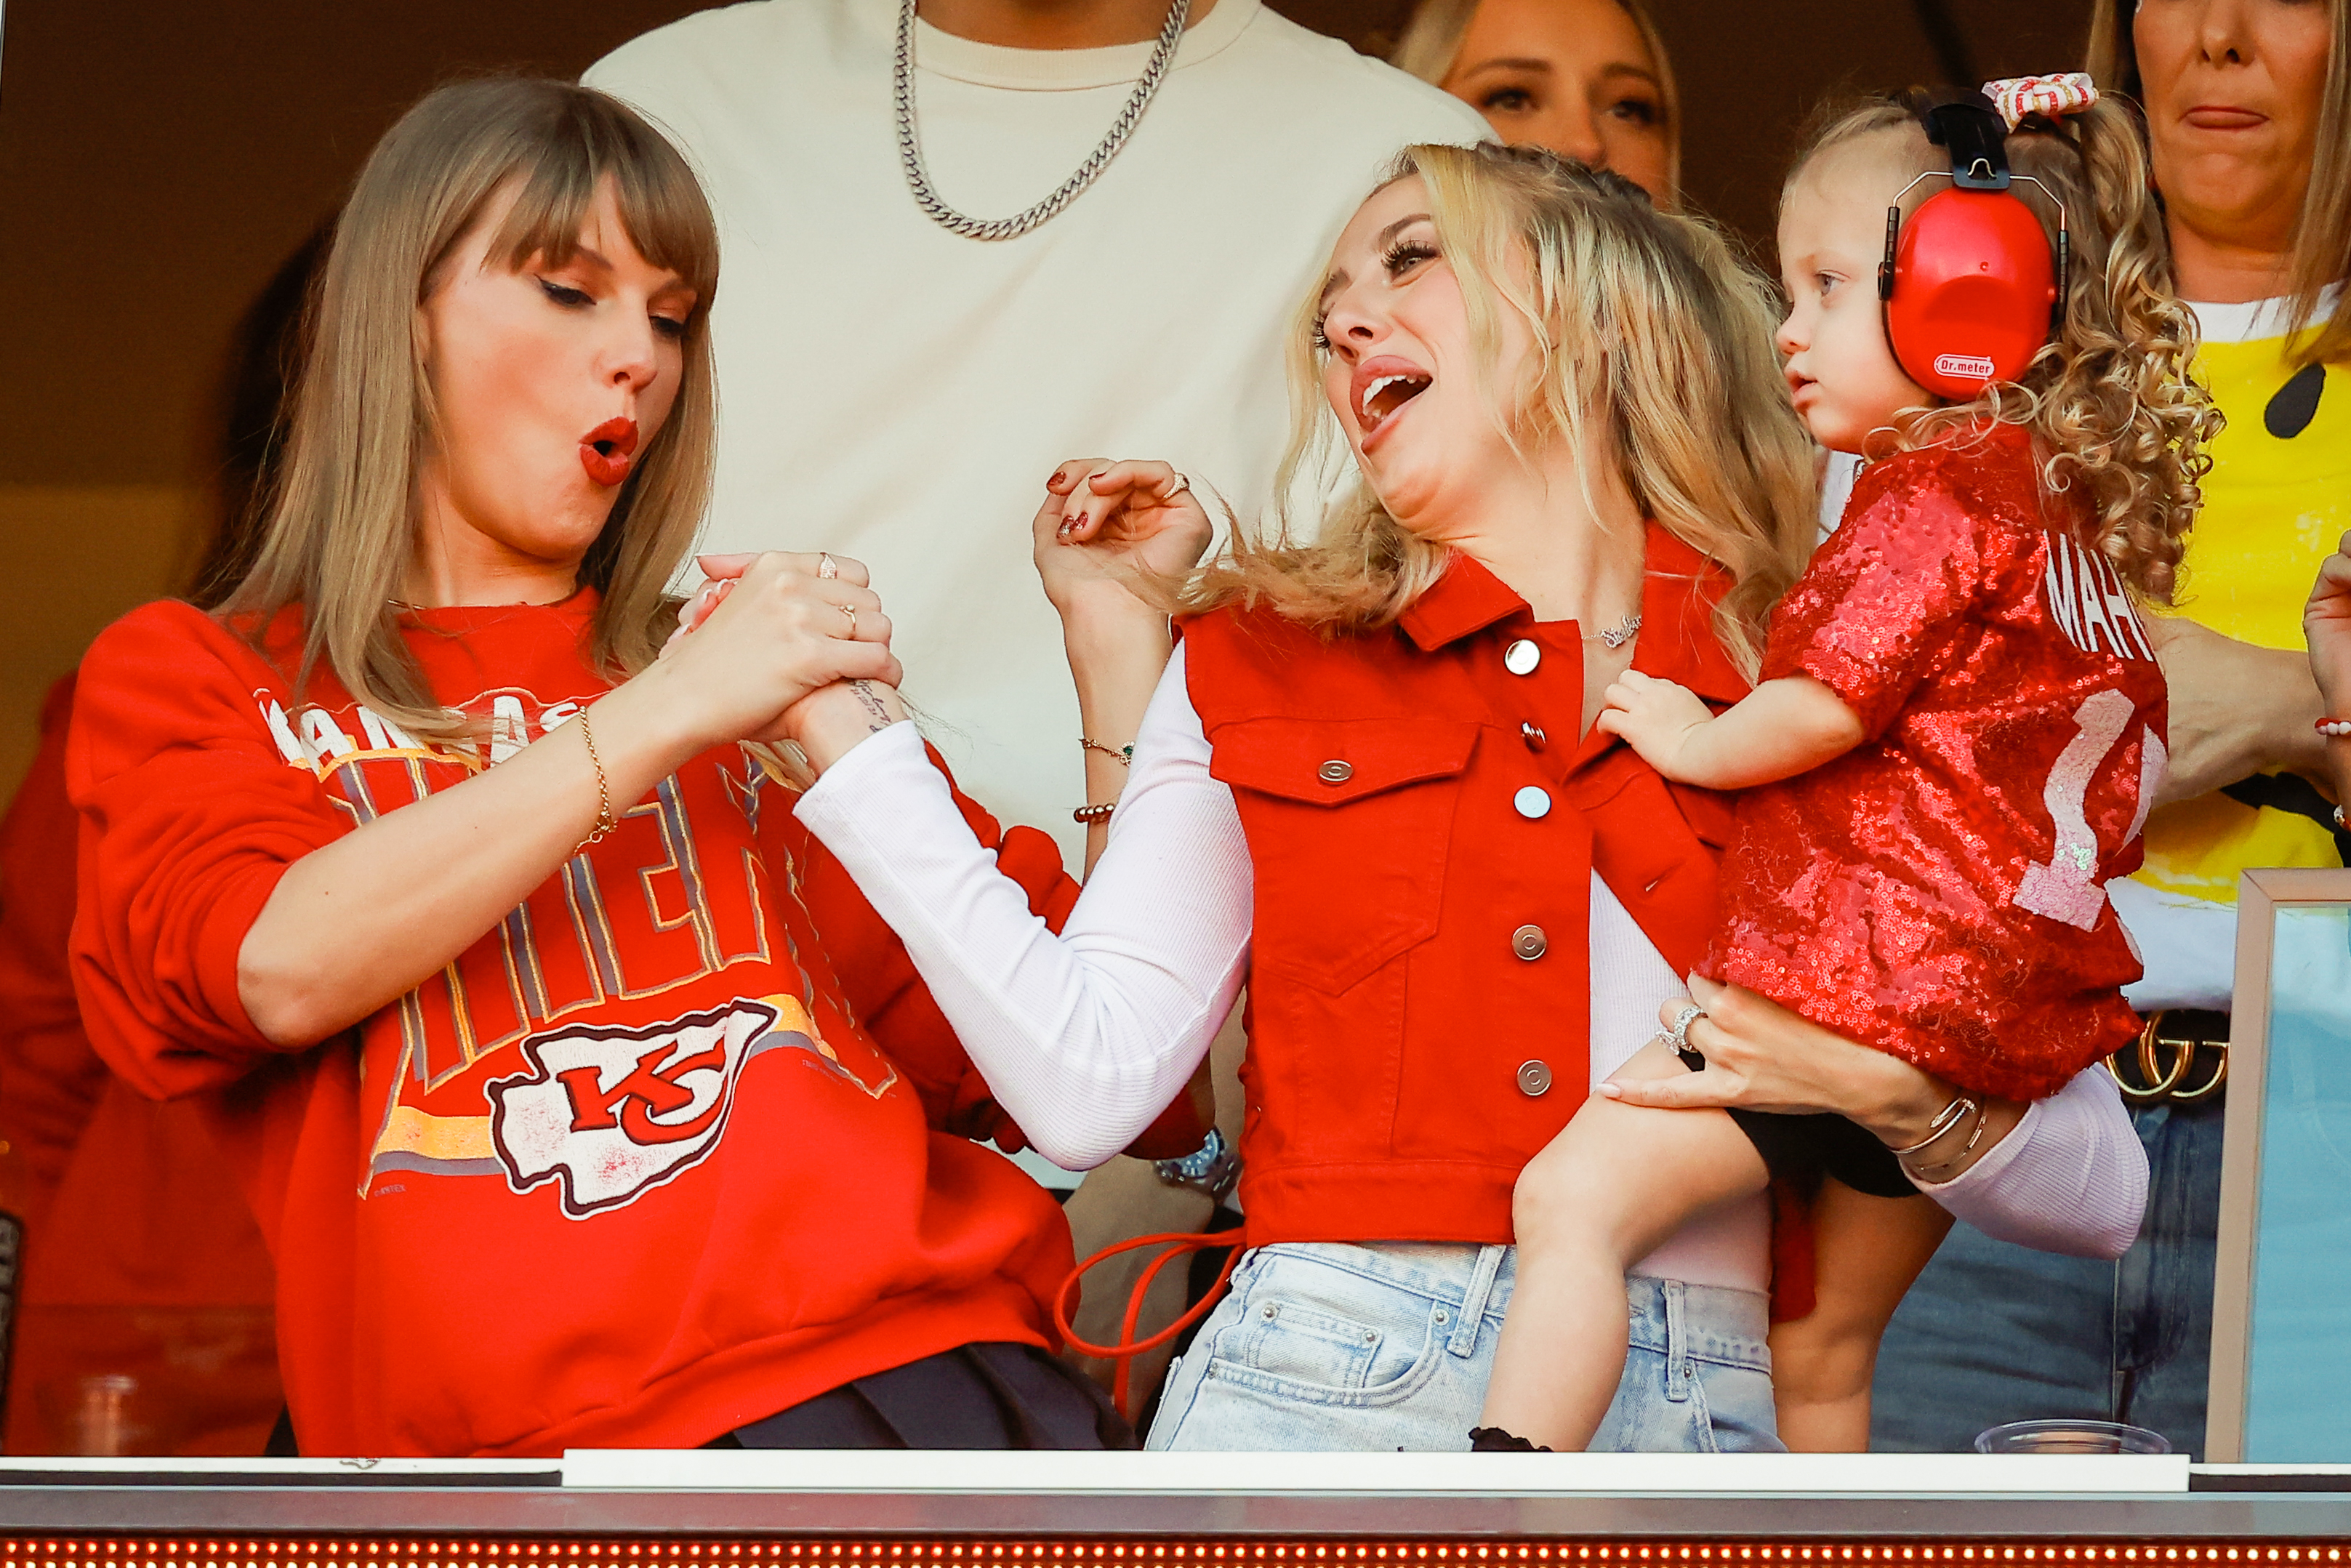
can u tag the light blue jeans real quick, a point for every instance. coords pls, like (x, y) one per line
(1993, 1332)
(1325, 1345)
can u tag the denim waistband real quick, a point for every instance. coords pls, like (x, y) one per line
(1709, 1322)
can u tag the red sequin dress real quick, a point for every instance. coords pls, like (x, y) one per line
(1939, 891)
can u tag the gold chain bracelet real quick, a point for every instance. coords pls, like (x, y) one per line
(604, 820)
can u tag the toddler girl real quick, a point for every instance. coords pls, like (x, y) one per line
(1958, 732)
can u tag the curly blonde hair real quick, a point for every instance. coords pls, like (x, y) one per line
(1652, 350)
(2109, 400)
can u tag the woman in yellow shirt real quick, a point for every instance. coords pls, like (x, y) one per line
(2249, 133)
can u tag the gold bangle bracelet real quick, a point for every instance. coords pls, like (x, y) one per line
(1948, 1117)
(1975, 1135)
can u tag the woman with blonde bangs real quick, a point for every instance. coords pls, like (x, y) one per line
(1368, 785)
(480, 925)
(1589, 79)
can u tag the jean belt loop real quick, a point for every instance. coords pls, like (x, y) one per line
(1679, 1373)
(1466, 1327)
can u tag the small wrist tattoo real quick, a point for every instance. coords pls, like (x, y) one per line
(877, 716)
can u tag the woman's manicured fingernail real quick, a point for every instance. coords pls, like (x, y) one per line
(1609, 1091)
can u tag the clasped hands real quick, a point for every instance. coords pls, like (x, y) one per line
(793, 646)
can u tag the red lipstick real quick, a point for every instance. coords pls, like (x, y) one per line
(604, 452)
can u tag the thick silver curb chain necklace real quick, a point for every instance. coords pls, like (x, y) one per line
(910, 146)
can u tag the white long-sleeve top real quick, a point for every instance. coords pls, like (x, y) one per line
(1085, 1036)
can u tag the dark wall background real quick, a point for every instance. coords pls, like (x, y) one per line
(160, 158)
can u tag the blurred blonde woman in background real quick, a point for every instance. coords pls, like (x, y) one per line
(1587, 79)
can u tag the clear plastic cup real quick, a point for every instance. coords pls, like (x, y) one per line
(2071, 1436)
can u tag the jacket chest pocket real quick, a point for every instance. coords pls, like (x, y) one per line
(1350, 824)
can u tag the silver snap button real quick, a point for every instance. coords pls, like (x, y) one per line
(1269, 1311)
(1533, 804)
(1335, 772)
(1528, 941)
(1534, 1078)
(1533, 734)
(1521, 657)
(1371, 1336)
(1442, 1317)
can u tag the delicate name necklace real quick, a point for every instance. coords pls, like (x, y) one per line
(910, 145)
(1616, 636)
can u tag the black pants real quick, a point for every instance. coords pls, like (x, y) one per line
(1809, 1147)
(989, 1396)
(1804, 1148)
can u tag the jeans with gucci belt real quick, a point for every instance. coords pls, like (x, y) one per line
(1995, 1332)
(1327, 1345)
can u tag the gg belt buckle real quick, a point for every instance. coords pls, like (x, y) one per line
(2159, 1084)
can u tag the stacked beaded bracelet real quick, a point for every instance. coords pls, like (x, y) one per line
(1100, 811)
(2337, 727)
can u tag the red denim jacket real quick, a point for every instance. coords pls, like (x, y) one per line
(1423, 824)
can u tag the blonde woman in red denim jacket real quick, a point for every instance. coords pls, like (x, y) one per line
(1367, 786)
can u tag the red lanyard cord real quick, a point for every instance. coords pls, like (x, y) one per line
(1175, 1246)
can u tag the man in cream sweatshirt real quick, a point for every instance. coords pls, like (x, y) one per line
(895, 392)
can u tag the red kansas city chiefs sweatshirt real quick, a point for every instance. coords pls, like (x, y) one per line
(680, 1144)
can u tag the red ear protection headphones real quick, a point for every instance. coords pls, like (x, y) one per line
(1969, 289)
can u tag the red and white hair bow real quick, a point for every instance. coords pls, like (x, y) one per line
(2054, 96)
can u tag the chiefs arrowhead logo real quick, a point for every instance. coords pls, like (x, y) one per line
(611, 1112)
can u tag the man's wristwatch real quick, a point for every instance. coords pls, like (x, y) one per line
(1212, 1168)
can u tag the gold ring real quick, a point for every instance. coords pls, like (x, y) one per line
(824, 567)
(849, 611)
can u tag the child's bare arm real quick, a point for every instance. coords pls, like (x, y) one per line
(1781, 730)
(2326, 627)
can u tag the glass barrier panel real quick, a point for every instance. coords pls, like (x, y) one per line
(2298, 1404)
